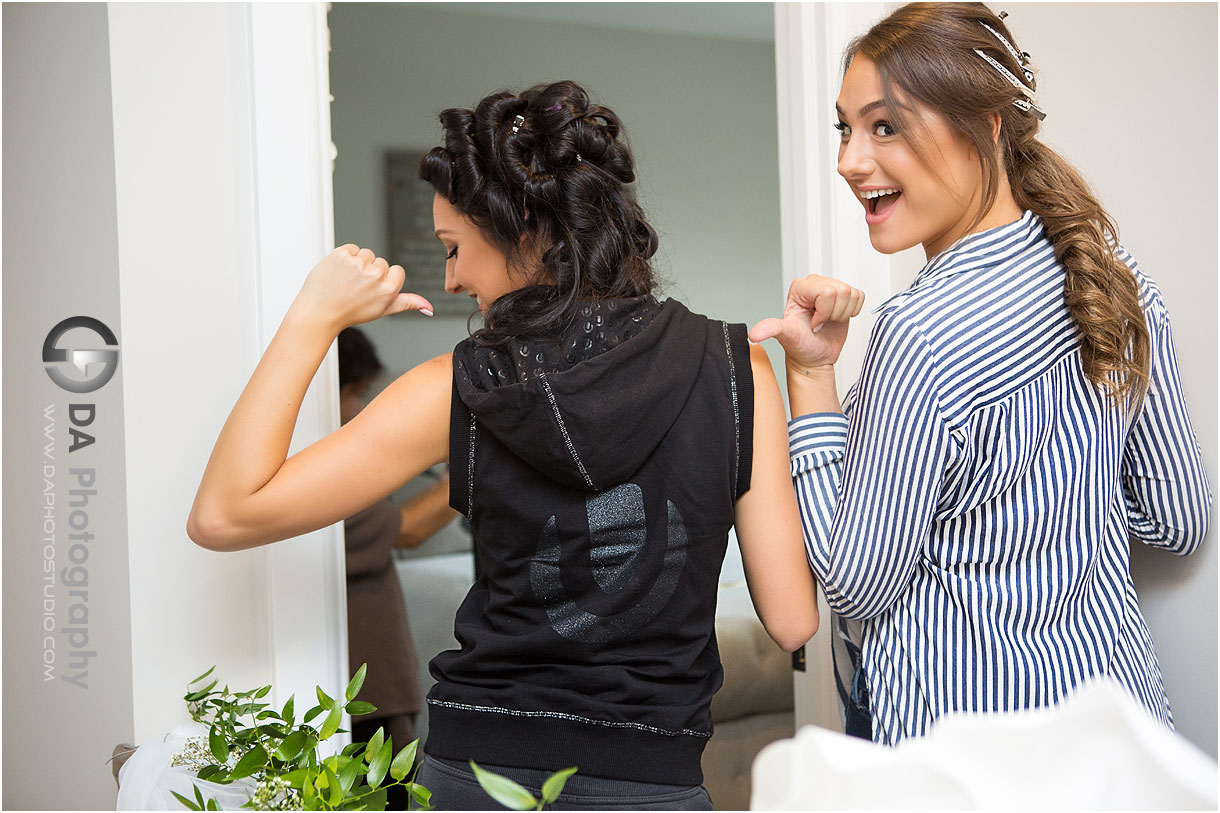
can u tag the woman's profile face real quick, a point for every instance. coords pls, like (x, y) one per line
(907, 201)
(474, 266)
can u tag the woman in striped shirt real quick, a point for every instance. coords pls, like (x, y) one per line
(1019, 415)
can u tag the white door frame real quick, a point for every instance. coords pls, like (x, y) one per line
(822, 232)
(294, 213)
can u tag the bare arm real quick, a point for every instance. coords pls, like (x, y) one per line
(250, 494)
(768, 525)
(425, 514)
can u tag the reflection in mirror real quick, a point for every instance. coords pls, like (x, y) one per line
(695, 86)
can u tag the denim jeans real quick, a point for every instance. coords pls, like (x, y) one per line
(857, 714)
(850, 680)
(454, 787)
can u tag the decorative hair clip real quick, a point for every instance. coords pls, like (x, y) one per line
(1007, 74)
(554, 107)
(1019, 57)
(1028, 104)
(1028, 107)
(517, 122)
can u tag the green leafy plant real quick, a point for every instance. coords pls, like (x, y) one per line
(514, 796)
(247, 738)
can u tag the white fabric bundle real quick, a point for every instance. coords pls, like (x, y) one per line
(147, 780)
(1098, 749)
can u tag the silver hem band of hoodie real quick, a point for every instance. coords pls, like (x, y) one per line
(474, 424)
(686, 732)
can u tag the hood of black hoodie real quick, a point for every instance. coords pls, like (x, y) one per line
(589, 406)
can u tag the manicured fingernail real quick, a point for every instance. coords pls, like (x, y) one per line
(425, 311)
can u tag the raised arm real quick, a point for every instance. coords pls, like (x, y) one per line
(868, 490)
(863, 516)
(768, 526)
(425, 514)
(250, 493)
(1164, 483)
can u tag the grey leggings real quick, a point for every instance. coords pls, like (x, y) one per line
(454, 787)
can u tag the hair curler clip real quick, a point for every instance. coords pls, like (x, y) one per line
(1019, 57)
(1028, 107)
(1028, 104)
(517, 122)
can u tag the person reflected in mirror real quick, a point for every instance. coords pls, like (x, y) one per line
(378, 631)
(1019, 415)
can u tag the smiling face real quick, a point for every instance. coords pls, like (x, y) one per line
(474, 265)
(907, 201)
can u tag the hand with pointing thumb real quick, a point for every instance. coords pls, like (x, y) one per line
(352, 285)
(814, 324)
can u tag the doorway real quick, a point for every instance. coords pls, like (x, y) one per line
(695, 86)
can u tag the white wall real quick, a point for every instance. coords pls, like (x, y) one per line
(67, 641)
(1130, 95)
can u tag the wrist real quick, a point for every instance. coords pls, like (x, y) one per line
(812, 389)
(301, 318)
(810, 372)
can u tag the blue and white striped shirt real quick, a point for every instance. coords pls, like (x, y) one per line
(974, 504)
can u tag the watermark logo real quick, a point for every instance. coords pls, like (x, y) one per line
(54, 357)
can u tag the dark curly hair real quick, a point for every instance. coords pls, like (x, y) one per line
(358, 360)
(559, 177)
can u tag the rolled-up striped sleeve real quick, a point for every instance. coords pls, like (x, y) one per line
(868, 486)
(1164, 483)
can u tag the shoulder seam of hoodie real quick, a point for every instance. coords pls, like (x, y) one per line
(728, 351)
(546, 385)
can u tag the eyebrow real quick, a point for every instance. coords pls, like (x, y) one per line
(439, 232)
(864, 111)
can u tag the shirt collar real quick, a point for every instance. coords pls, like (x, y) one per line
(965, 253)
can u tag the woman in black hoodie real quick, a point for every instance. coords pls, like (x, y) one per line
(601, 444)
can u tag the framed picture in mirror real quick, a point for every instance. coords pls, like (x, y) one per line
(411, 241)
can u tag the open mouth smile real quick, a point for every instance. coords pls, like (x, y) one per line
(879, 202)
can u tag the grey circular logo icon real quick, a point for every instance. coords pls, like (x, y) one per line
(82, 359)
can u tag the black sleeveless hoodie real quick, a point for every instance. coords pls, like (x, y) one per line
(599, 471)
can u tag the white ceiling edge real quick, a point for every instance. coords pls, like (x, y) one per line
(750, 21)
